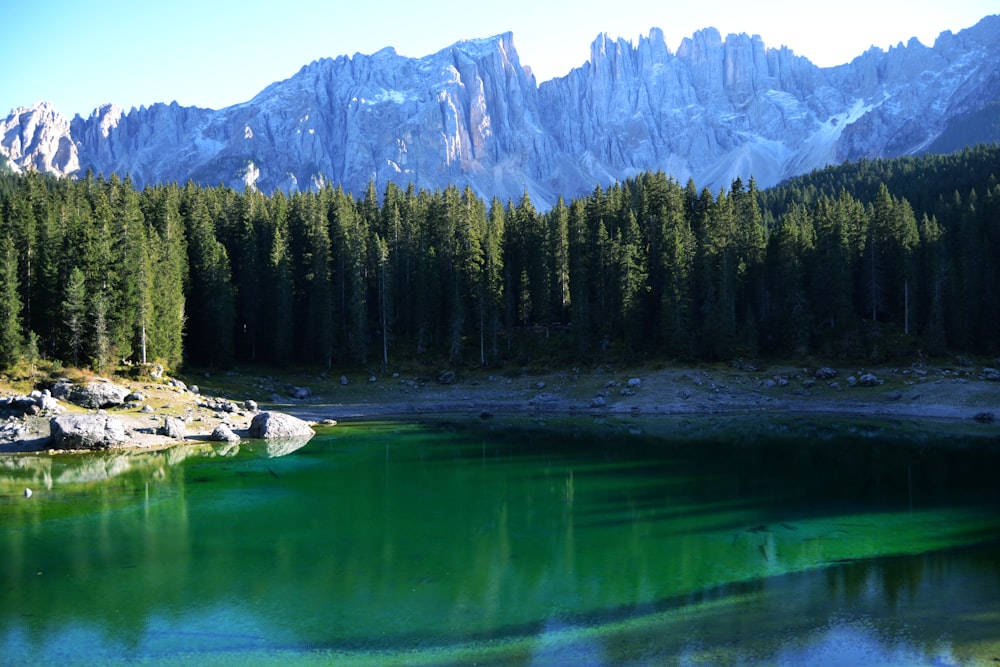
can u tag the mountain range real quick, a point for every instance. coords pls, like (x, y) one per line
(472, 114)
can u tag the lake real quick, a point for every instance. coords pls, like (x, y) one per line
(518, 541)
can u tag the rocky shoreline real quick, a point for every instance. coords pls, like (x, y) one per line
(104, 415)
(159, 415)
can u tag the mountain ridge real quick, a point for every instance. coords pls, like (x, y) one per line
(473, 115)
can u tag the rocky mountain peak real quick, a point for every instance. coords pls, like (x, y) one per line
(473, 114)
(37, 138)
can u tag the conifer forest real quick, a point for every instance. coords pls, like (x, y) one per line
(876, 260)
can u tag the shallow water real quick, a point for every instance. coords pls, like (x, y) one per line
(655, 541)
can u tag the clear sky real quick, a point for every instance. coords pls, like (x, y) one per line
(78, 54)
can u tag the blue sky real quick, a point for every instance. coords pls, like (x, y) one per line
(78, 54)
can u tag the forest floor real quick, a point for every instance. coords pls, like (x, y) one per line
(956, 392)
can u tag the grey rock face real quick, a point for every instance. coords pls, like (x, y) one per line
(39, 138)
(86, 431)
(472, 115)
(270, 425)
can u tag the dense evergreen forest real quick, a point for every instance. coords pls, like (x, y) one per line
(875, 260)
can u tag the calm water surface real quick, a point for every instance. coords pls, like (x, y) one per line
(654, 541)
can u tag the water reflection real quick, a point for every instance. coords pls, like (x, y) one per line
(601, 543)
(44, 471)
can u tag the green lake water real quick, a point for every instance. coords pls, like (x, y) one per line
(731, 540)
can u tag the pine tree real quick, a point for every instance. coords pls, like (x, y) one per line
(679, 248)
(212, 311)
(794, 243)
(558, 235)
(491, 282)
(933, 273)
(74, 311)
(580, 283)
(100, 334)
(633, 267)
(130, 311)
(311, 253)
(21, 229)
(384, 296)
(280, 325)
(348, 236)
(10, 305)
(168, 260)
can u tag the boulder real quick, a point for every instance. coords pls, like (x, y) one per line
(825, 373)
(86, 431)
(446, 377)
(93, 395)
(868, 380)
(270, 425)
(222, 433)
(173, 427)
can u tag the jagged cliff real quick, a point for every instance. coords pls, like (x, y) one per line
(472, 115)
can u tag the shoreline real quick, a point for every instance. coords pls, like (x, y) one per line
(939, 394)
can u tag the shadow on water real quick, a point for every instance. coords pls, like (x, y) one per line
(803, 468)
(636, 541)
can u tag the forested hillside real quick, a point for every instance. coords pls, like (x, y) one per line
(874, 260)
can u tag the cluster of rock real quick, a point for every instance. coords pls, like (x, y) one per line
(14, 409)
(37, 402)
(281, 432)
(101, 430)
(630, 389)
